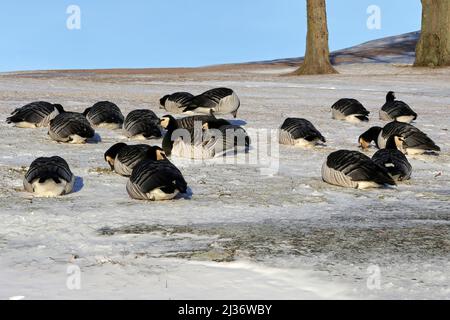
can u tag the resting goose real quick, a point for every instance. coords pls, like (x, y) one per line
(49, 177)
(352, 169)
(217, 101)
(175, 102)
(394, 161)
(122, 158)
(35, 115)
(142, 124)
(299, 132)
(196, 143)
(414, 141)
(394, 110)
(156, 181)
(71, 127)
(104, 114)
(350, 110)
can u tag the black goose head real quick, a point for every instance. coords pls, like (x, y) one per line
(59, 108)
(85, 113)
(390, 97)
(367, 137)
(163, 100)
(111, 153)
(169, 123)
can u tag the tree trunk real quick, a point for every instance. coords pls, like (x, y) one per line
(317, 57)
(433, 49)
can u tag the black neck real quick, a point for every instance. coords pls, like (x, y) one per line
(390, 97)
(390, 144)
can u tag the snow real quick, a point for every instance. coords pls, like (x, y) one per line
(243, 234)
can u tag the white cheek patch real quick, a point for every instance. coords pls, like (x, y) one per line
(164, 122)
(160, 155)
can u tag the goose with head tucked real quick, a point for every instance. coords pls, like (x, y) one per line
(35, 115)
(122, 158)
(410, 140)
(214, 139)
(176, 102)
(352, 169)
(394, 161)
(49, 177)
(71, 127)
(395, 110)
(156, 180)
(300, 132)
(142, 124)
(216, 101)
(104, 114)
(350, 110)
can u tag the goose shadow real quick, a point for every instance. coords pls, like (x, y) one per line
(78, 185)
(238, 122)
(95, 139)
(431, 153)
(186, 196)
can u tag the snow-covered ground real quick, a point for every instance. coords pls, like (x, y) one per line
(242, 234)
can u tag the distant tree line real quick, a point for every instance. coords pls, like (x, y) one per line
(433, 48)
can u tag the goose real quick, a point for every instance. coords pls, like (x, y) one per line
(122, 158)
(394, 110)
(71, 127)
(49, 177)
(196, 143)
(413, 141)
(142, 124)
(352, 169)
(175, 102)
(394, 161)
(217, 101)
(35, 115)
(350, 110)
(156, 181)
(104, 114)
(299, 132)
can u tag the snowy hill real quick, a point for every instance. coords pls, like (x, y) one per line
(396, 49)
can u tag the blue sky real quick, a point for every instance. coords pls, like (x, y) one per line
(169, 33)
